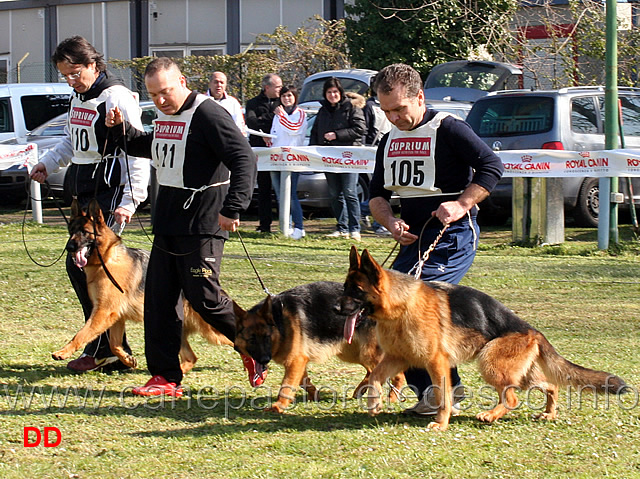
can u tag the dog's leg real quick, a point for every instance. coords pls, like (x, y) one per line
(396, 384)
(294, 372)
(97, 324)
(362, 387)
(116, 334)
(504, 363)
(187, 357)
(551, 410)
(308, 386)
(439, 369)
(388, 367)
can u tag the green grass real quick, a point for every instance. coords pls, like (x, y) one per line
(584, 300)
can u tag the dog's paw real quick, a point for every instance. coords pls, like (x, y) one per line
(374, 408)
(546, 416)
(436, 426)
(60, 355)
(277, 408)
(486, 416)
(130, 362)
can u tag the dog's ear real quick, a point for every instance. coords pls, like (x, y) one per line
(266, 311)
(95, 212)
(238, 310)
(370, 267)
(354, 258)
(75, 208)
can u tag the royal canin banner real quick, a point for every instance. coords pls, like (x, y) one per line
(25, 156)
(517, 163)
(334, 159)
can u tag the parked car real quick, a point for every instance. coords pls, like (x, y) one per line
(24, 106)
(354, 80)
(565, 119)
(468, 80)
(46, 136)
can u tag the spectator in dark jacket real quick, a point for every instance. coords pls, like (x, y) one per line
(340, 123)
(259, 113)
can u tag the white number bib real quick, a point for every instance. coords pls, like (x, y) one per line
(82, 121)
(170, 143)
(409, 160)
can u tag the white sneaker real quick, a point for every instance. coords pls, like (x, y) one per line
(427, 405)
(422, 408)
(355, 236)
(298, 234)
(338, 234)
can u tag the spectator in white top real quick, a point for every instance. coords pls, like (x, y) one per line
(289, 128)
(218, 91)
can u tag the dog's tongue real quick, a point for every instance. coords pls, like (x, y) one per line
(350, 326)
(81, 257)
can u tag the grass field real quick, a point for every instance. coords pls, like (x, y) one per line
(585, 301)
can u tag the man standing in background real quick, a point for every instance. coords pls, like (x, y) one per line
(260, 113)
(218, 91)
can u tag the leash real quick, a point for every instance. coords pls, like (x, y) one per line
(24, 222)
(421, 261)
(425, 256)
(102, 263)
(246, 251)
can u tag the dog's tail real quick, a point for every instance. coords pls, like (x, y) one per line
(562, 372)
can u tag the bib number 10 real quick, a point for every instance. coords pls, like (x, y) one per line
(80, 139)
(407, 173)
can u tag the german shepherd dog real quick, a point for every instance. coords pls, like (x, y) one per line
(301, 325)
(91, 239)
(437, 325)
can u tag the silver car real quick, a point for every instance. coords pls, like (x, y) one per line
(566, 119)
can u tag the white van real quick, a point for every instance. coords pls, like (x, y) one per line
(24, 106)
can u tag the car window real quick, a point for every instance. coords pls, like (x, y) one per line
(630, 115)
(505, 116)
(40, 108)
(53, 127)
(584, 116)
(312, 91)
(148, 115)
(6, 123)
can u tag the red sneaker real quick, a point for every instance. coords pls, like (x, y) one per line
(257, 373)
(158, 386)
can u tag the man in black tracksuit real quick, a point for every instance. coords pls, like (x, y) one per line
(206, 171)
(117, 182)
(259, 113)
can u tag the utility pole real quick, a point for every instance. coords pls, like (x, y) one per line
(608, 215)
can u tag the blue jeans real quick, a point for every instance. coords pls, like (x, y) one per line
(296, 209)
(344, 200)
(449, 262)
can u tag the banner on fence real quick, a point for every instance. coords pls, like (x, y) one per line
(24, 156)
(333, 159)
(520, 163)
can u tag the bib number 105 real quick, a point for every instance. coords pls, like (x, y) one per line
(407, 173)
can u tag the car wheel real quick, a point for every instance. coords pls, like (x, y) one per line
(588, 205)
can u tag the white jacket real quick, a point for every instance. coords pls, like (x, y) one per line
(289, 130)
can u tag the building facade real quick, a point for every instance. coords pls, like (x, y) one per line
(125, 29)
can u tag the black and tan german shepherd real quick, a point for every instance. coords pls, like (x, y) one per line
(303, 325)
(91, 238)
(436, 325)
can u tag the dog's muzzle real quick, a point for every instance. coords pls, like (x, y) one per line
(80, 253)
